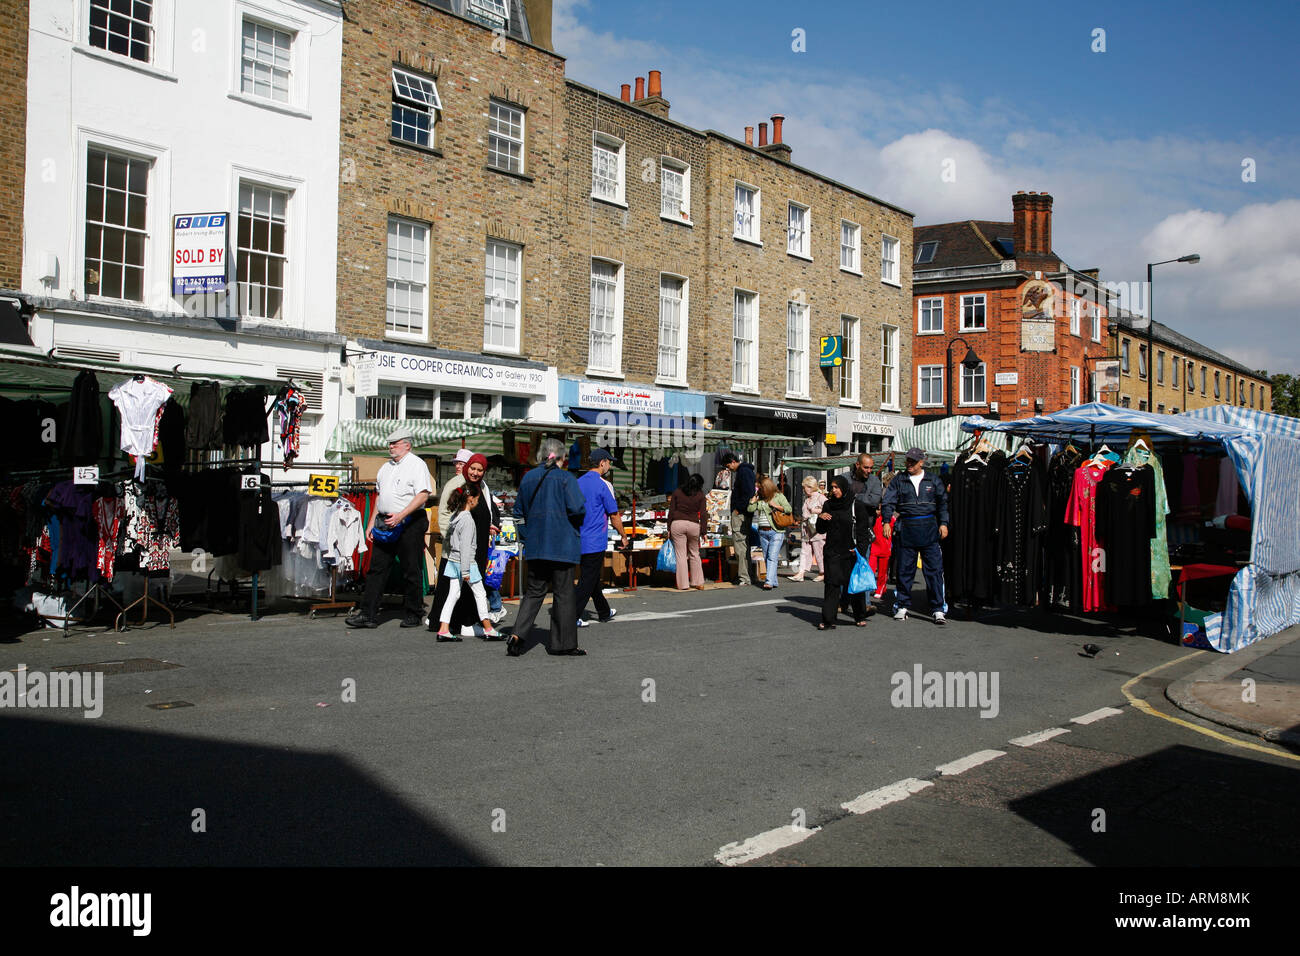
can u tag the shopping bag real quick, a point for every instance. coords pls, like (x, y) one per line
(667, 558)
(863, 578)
(498, 558)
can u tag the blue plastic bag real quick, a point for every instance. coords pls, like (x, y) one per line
(667, 558)
(497, 560)
(863, 578)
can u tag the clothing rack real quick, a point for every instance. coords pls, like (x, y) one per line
(333, 604)
(120, 625)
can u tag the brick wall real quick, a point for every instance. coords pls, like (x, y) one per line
(13, 140)
(1134, 387)
(448, 187)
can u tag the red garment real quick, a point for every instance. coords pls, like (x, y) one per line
(108, 514)
(1081, 511)
(881, 549)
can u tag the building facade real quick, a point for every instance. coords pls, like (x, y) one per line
(148, 122)
(453, 133)
(13, 157)
(1184, 374)
(1003, 327)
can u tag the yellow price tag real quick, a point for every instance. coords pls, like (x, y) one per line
(323, 486)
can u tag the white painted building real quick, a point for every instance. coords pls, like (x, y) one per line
(143, 111)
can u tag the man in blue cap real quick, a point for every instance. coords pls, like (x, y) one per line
(602, 509)
(921, 502)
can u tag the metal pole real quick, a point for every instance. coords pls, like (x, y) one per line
(1151, 330)
(947, 380)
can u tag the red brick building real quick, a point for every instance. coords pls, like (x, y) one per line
(999, 290)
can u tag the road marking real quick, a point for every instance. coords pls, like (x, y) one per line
(1146, 708)
(969, 761)
(1100, 713)
(876, 799)
(665, 615)
(1028, 740)
(733, 854)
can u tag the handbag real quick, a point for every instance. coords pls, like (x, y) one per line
(781, 519)
(381, 532)
(862, 579)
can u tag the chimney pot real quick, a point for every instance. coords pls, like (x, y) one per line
(656, 83)
(749, 136)
(626, 94)
(762, 134)
(640, 88)
(777, 120)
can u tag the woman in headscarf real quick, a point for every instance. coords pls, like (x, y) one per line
(846, 523)
(486, 519)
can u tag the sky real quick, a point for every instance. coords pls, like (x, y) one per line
(1160, 129)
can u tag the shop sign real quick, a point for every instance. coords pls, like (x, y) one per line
(1107, 375)
(832, 425)
(199, 253)
(323, 486)
(1037, 336)
(459, 373)
(832, 351)
(1006, 378)
(596, 395)
(872, 423)
(367, 377)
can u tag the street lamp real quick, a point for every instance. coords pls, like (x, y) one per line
(1151, 321)
(971, 361)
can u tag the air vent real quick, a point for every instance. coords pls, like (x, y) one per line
(94, 355)
(311, 383)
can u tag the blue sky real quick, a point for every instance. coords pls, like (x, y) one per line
(1141, 145)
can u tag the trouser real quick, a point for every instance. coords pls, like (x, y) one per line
(494, 600)
(453, 595)
(913, 536)
(408, 551)
(771, 539)
(740, 542)
(834, 594)
(686, 546)
(557, 578)
(589, 585)
(812, 548)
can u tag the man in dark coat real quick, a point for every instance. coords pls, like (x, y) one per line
(549, 511)
(922, 505)
(743, 484)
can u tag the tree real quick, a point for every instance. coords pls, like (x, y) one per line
(1286, 394)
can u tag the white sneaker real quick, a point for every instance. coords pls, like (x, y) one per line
(612, 612)
(582, 622)
(496, 617)
(900, 614)
(939, 618)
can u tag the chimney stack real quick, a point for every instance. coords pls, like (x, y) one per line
(1032, 230)
(640, 88)
(626, 94)
(656, 88)
(762, 135)
(749, 136)
(777, 147)
(777, 120)
(652, 100)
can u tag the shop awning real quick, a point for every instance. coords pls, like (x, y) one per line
(940, 439)
(819, 464)
(591, 416)
(777, 412)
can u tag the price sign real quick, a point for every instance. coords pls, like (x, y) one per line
(323, 486)
(250, 482)
(85, 475)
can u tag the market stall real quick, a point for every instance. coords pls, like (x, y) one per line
(1214, 452)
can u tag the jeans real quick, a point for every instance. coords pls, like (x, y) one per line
(771, 540)
(494, 600)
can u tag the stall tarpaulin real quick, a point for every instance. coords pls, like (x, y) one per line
(940, 439)
(1265, 595)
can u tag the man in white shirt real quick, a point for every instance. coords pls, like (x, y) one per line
(404, 486)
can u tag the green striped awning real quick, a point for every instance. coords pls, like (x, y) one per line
(435, 436)
(940, 439)
(819, 464)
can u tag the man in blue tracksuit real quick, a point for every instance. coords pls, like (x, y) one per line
(922, 505)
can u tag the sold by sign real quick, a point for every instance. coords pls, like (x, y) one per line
(199, 253)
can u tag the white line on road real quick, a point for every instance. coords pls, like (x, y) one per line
(1028, 740)
(875, 799)
(1096, 715)
(734, 854)
(969, 761)
(664, 615)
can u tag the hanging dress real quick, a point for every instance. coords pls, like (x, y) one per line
(1161, 575)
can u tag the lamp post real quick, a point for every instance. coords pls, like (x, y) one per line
(1151, 321)
(971, 361)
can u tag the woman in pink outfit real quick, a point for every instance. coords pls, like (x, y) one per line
(813, 541)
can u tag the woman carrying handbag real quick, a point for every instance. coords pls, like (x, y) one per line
(772, 515)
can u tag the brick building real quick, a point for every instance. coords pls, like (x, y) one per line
(13, 144)
(999, 290)
(453, 140)
(1187, 374)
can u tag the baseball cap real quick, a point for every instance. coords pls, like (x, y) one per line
(915, 454)
(600, 454)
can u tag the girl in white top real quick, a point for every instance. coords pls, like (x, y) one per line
(462, 542)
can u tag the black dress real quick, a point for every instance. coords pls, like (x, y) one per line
(844, 538)
(1063, 573)
(83, 432)
(1020, 519)
(1126, 523)
(968, 563)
